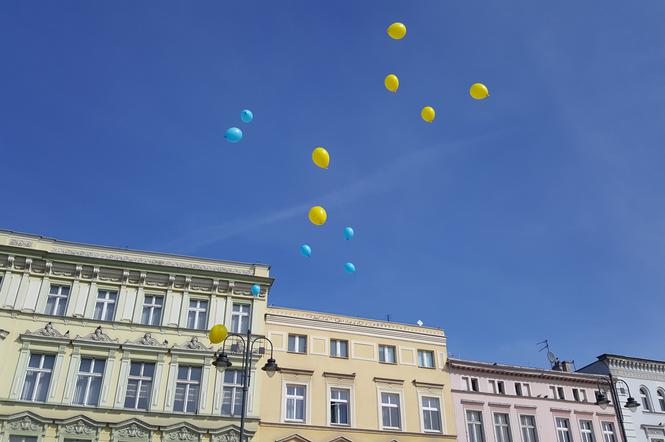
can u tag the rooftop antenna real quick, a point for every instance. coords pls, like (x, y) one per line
(550, 355)
(420, 323)
(388, 317)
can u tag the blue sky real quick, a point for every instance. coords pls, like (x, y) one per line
(536, 214)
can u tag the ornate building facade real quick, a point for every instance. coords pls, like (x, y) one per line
(104, 344)
(346, 379)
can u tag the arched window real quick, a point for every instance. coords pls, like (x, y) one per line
(661, 399)
(646, 400)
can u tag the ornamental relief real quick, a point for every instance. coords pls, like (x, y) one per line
(98, 336)
(25, 424)
(48, 331)
(181, 434)
(148, 341)
(229, 436)
(79, 427)
(132, 431)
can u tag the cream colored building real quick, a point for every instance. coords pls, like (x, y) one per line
(104, 344)
(348, 379)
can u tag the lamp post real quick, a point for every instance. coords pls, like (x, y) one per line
(603, 401)
(222, 362)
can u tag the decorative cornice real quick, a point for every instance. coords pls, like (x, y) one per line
(78, 425)
(636, 367)
(428, 385)
(457, 366)
(97, 336)
(182, 432)
(47, 331)
(26, 421)
(388, 381)
(193, 344)
(229, 433)
(297, 371)
(328, 374)
(148, 341)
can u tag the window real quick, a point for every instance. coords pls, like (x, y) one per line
(339, 348)
(105, 307)
(152, 310)
(22, 438)
(498, 387)
(89, 382)
(232, 393)
(339, 406)
(522, 389)
(502, 427)
(298, 343)
(579, 395)
(431, 414)
(608, 432)
(197, 314)
(474, 426)
(471, 384)
(240, 318)
(390, 411)
(139, 385)
(57, 300)
(557, 392)
(661, 399)
(295, 402)
(187, 389)
(37, 378)
(425, 358)
(586, 429)
(646, 401)
(563, 430)
(387, 354)
(529, 432)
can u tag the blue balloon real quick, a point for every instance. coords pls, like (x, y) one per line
(233, 135)
(246, 116)
(306, 250)
(348, 233)
(349, 267)
(256, 289)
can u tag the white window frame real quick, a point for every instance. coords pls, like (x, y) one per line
(89, 377)
(152, 306)
(336, 345)
(579, 395)
(140, 378)
(660, 394)
(645, 398)
(297, 341)
(40, 371)
(560, 430)
(188, 383)
(422, 359)
(480, 423)
(529, 426)
(242, 317)
(497, 386)
(58, 299)
(383, 351)
(236, 388)
(199, 324)
(348, 405)
(587, 434)
(608, 431)
(525, 388)
(496, 426)
(422, 413)
(306, 405)
(106, 301)
(400, 409)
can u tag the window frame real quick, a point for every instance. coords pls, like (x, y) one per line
(59, 298)
(529, 426)
(645, 398)
(140, 378)
(439, 410)
(152, 308)
(400, 409)
(236, 388)
(337, 345)
(348, 405)
(305, 398)
(498, 426)
(106, 301)
(607, 430)
(89, 377)
(204, 322)
(660, 394)
(241, 315)
(383, 353)
(498, 386)
(586, 431)
(477, 424)
(188, 383)
(296, 346)
(423, 353)
(568, 429)
(39, 370)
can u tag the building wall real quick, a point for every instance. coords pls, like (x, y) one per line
(30, 266)
(360, 372)
(536, 400)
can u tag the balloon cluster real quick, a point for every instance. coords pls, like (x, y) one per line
(234, 134)
(397, 31)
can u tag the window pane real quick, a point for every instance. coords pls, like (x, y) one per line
(148, 370)
(42, 387)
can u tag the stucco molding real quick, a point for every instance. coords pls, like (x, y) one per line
(230, 433)
(78, 426)
(388, 381)
(148, 341)
(182, 432)
(427, 385)
(47, 331)
(193, 344)
(296, 371)
(294, 438)
(327, 374)
(3, 334)
(340, 439)
(97, 336)
(25, 422)
(132, 429)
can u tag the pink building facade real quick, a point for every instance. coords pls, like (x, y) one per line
(504, 403)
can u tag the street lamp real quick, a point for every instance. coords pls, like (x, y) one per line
(222, 362)
(602, 400)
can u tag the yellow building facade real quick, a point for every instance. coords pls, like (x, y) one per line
(348, 379)
(104, 344)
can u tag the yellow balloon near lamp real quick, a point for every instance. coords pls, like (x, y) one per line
(321, 157)
(218, 333)
(428, 114)
(318, 215)
(397, 31)
(391, 82)
(479, 91)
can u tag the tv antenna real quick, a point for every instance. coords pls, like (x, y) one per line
(550, 355)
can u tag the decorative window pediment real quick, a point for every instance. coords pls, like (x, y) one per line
(294, 438)
(182, 432)
(230, 433)
(133, 430)
(48, 333)
(148, 341)
(97, 336)
(78, 427)
(193, 344)
(341, 439)
(25, 423)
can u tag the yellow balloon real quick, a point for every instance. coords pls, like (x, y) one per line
(392, 82)
(428, 114)
(218, 333)
(318, 215)
(479, 91)
(397, 31)
(321, 157)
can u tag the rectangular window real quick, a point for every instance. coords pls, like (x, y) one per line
(387, 354)
(152, 310)
(563, 430)
(57, 300)
(187, 389)
(560, 392)
(295, 402)
(474, 425)
(522, 389)
(502, 427)
(89, 382)
(425, 358)
(232, 393)
(608, 432)
(197, 314)
(579, 395)
(529, 432)
(339, 406)
(37, 378)
(297, 343)
(390, 411)
(105, 307)
(139, 385)
(431, 414)
(22, 438)
(586, 429)
(240, 318)
(339, 348)
(498, 387)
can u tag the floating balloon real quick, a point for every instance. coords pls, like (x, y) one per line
(246, 116)
(306, 250)
(233, 135)
(479, 91)
(391, 82)
(318, 215)
(428, 114)
(349, 267)
(256, 289)
(321, 157)
(348, 233)
(397, 31)
(218, 333)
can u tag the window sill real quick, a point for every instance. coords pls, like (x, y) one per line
(423, 366)
(339, 357)
(297, 352)
(340, 425)
(388, 363)
(391, 429)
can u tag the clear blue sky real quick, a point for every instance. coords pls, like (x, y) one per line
(535, 214)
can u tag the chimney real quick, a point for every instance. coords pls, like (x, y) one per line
(568, 366)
